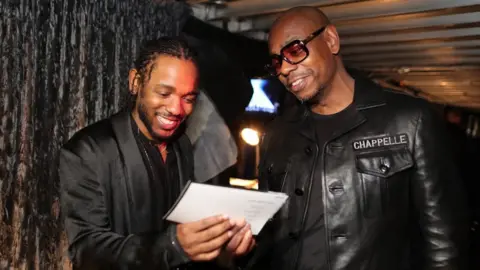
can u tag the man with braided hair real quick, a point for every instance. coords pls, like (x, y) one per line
(121, 175)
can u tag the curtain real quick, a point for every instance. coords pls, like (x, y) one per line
(214, 149)
(64, 65)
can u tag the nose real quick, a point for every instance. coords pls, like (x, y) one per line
(286, 68)
(175, 107)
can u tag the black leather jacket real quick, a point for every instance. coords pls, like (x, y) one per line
(392, 197)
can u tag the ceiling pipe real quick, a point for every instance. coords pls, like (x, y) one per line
(401, 70)
(348, 10)
(204, 12)
(235, 25)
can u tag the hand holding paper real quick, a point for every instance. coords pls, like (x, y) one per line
(242, 242)
(199, 201)
(202, 240)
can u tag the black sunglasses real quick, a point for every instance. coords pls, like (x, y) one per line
(293, 53)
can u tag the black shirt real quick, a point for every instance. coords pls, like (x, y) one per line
(313, 251)
(164, 176)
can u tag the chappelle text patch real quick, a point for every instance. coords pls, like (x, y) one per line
(383, 141)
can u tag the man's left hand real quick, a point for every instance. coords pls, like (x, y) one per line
(242, 241)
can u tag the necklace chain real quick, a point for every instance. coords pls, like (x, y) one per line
(164, 149)
(161, 150)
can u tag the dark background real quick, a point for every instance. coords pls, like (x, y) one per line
(64, 65)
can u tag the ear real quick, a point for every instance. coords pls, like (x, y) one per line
(332, 39)
(133, 81)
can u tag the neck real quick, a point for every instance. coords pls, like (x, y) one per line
(337, 96)
(162, 146)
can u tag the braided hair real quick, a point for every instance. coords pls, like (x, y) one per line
(144, 64)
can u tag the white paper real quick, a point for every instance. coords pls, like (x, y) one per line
(200, 201)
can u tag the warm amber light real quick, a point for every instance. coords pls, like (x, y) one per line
(250, 136)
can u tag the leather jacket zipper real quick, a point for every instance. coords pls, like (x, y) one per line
(307, 203)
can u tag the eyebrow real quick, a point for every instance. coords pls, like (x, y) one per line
(194, 93)
(166, 86)
(172, 89)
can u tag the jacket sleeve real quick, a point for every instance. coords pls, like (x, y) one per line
(92, 243)
(438, 197)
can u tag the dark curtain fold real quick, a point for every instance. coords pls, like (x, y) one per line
(64, 65)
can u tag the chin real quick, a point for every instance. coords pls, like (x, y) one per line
(168, 135)
(164, 135)
(306, 95)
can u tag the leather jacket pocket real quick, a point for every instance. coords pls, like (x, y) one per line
(275, 174)
(377, 169)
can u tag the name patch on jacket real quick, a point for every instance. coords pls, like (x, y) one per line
(377, 142)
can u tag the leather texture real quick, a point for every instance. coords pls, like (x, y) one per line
(392, 196)
(106, 203)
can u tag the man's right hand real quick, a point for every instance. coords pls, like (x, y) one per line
(203, 240)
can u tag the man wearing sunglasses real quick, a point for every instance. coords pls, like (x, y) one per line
(368, 172)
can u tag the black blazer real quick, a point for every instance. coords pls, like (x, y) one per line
(106, 201)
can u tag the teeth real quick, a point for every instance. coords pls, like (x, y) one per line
(296, 82)
(164, 120)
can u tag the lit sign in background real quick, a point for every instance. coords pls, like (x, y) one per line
(260, 101)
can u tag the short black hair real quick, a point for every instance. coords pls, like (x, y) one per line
(176, 47)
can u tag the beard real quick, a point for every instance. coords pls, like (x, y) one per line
(318, 95)
(143, 115)
(312, 98)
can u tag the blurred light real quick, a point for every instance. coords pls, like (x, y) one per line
(403, 70)
(260, 101)
(248, 184)
(250, 136)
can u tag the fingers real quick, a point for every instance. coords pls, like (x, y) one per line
(240, 223)
(207, 256)
(246, 243)
(190, 236)
(206, 223)
(214, 231)
(237, 238)
(212, 245)
(203, 240)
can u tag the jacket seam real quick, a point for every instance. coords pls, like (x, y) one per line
(325, 216)
(417, 128)
(122, 246)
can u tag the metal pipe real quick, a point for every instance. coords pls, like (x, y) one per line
(347, 11)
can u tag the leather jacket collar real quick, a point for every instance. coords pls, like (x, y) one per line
(367, 95)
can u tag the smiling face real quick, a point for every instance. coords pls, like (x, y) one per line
(165, 97)
(307, 79)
